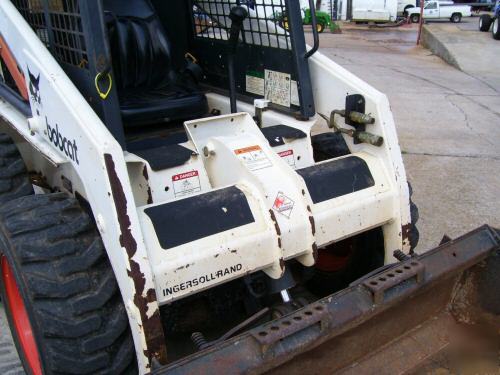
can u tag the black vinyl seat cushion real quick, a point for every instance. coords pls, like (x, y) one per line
(168, 103)
(149, 87)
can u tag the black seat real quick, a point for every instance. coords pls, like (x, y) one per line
(150, 88)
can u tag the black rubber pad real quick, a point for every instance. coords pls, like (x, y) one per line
(165, 157)
(190, 219)
(336, 178)
(275, 134)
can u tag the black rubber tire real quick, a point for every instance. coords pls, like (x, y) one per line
(328, 146)
(14, 179)
(415, 18)
(495, 29)
(405, 11)
(456, 18)
(414, 233)
(68, 286)
(484, 22)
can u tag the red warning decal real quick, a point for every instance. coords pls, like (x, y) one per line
(183, 176)
(186, 183)
(288, 157)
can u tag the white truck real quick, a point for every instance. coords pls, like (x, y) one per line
(437, 10)
(405, 5)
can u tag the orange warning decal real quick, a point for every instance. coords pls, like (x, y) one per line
(247, 150)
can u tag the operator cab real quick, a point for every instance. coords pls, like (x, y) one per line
(150, 88)
(148, 66)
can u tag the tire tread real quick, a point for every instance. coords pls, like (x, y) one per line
(79, 315)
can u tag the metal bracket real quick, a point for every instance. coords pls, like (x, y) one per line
(269, 334)
(382, 282)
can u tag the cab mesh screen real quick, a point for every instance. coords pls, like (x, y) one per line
(58, 24)
(266, 24)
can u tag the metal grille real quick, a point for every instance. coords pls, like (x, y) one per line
(66, 39)
(266, 25)
(32, 12)
(67, 31)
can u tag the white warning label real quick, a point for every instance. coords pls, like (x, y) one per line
(294, 94)
(255, 85)
(253, 157)
(283, 204)
(288, 157)
(277, 87)
(186, 183)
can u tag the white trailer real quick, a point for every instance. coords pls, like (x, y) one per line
(368, 10)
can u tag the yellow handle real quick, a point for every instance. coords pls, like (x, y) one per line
(103, 95)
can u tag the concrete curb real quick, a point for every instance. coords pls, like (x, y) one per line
(431, 41)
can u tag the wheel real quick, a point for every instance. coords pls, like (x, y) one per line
(495, 30)
(405, 11)
(14, 179)
(456, 18)
(61, 297)
(415, 18)
(320, 27)
(484, 22)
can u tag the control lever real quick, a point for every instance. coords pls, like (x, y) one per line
(237, 15)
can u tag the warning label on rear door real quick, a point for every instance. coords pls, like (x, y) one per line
(253, 157)
(288, 157)
(186, 183)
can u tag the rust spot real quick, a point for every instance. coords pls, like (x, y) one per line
(146, 176)
(304, 193)
(234, 251)
(315, 252)
(406, 232)
(309, 208)
(282, 264)
(313, 225)
(153, 330)
(276, 226)
(406, 235)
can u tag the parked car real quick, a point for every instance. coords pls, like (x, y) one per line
(491, 20)
(438, 10)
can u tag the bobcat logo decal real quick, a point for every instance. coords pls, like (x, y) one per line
(34, 89)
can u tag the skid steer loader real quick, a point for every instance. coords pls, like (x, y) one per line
(167, 205)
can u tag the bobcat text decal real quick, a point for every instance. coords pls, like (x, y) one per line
(65, 145)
